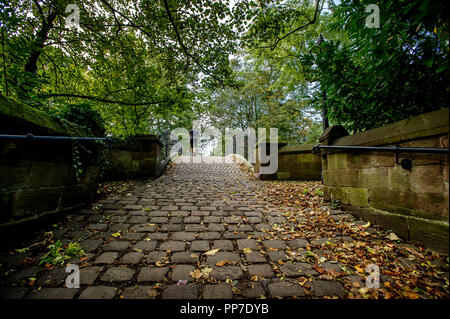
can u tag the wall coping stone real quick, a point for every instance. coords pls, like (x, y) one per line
(424, 125)
(296, 149)
(331, 133)
(16, 116)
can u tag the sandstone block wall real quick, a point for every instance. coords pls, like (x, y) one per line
(413, 203)
(137, 158)
(39, 177)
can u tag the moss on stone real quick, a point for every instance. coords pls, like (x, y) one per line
(18, 118)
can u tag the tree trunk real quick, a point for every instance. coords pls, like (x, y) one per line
(39, 42)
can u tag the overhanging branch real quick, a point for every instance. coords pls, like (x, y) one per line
(99, 99)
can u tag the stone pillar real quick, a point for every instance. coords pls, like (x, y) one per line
(258, 164)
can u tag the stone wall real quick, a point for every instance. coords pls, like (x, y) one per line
(139, 157)
(37, 177)
(295, 162)
(258, 164)
(413, 203)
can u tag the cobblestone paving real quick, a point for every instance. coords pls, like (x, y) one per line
(196, 232)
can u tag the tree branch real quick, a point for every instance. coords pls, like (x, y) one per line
(99, 99)
(180, 41)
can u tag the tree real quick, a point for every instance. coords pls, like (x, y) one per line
(371, 76)
(132, 57)
(258, 100)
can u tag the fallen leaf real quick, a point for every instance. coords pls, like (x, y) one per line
(222, 263)
(196, 274)
(212, 252)
(393, 237)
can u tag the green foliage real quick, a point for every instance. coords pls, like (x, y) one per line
(136, 62)
(57, 254)
(371, 76)
(259, 100)
(383, 75)
(82, 115)
(147, 66)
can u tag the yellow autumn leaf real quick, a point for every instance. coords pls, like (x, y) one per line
(212, 252)
(222, 263)
(196, 274)
(358, 268)
(247, 250)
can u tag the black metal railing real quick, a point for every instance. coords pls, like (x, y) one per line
(167, 143)
(405, 163)
(31, 137)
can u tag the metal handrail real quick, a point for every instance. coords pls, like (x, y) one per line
(394, 149)
(406, 163)
(30, 137)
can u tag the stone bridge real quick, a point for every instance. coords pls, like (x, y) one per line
(202, 230)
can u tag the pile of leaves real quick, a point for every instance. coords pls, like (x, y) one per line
(407, 270)
(118, 188)
(57, 254)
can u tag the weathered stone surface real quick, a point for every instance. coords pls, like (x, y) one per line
(223, 256)
(219, 291)
(145, 245)
(255, 257)
(133, 236)
(285, 289)
(185, 257)
(158, 236)
(214, 206)
(173, 246)
(88, 275)
(223, 245)
(106, 258)
(117, 246)
(98, 292)
(54, 293)
(155, 274)
(133, 257)
(222, 273)
(247, 243)
(261, 270)
(297, 269)
(209, 235)
(189, 291)
(323, 288)
(182, 272)
(216, 227)
(13, 292)
(117, 274)
(90, 245)
(183, 236)
(277, 244)
(55, 277)
(297, 243)
(138, 220)
(251, 290)
(200, 245)
(156, 256)
(140, 292)
(275, 256)
(333, 268)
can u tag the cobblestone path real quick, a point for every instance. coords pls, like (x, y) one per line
(196, 232)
